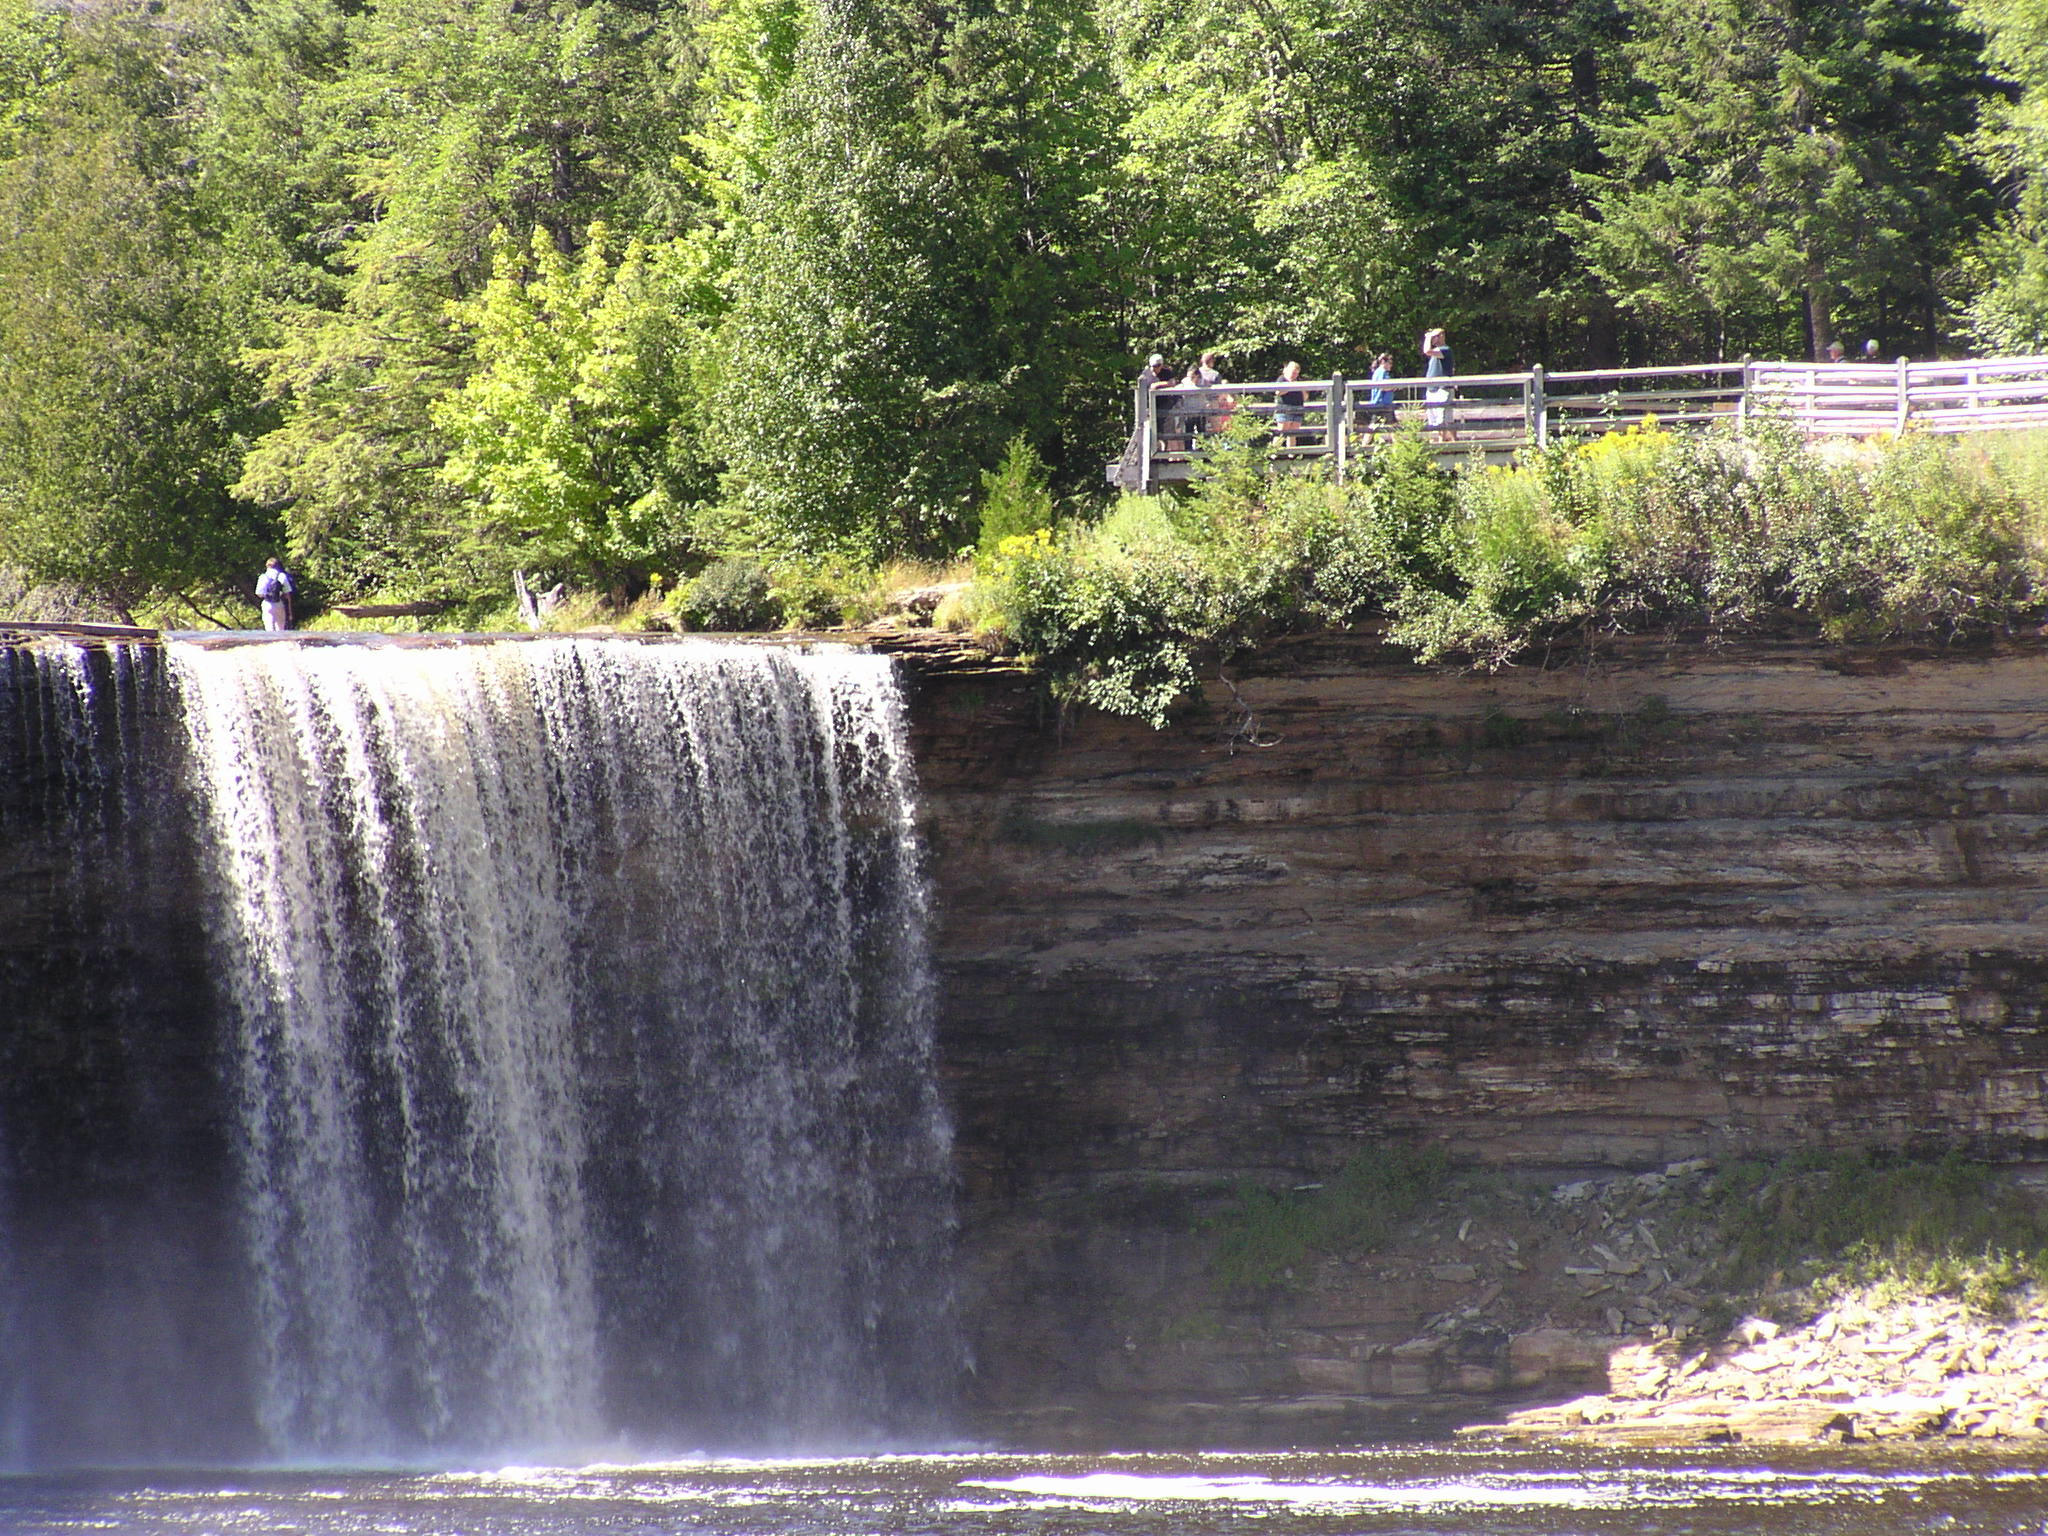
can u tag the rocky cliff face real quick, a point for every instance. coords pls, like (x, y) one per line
(1664, 903)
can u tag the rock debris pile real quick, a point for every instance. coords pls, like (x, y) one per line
(1875, 1364)
(1867, 1368)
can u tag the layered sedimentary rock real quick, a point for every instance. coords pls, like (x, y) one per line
(1666, 902)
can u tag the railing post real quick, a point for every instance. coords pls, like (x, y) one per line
(1905, 402)
(1535, 409)
(1742, 397)
(1148, 432)
(1338, 416)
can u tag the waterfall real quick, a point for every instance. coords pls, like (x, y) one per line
(572, 1046)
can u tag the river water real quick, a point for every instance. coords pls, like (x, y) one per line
(1413, 1492)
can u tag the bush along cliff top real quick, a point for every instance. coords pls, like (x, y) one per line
(1639, 529)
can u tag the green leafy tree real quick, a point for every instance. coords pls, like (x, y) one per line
(2009, 311)
(1336, 174)
(1788, 152)
(32, 60)
(575, 433)
(122, 413)
(450, 119)
(910, 275)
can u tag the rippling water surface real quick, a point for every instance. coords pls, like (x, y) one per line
(1416, 1493)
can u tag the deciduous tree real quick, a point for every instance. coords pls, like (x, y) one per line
(575, 433)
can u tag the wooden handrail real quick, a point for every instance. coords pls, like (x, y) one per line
(1502, 412)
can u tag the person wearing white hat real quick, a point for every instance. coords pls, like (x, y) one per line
(1159, 376)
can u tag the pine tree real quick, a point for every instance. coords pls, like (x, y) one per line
(1789, 151)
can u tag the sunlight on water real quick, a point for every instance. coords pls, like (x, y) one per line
(1397, 1492)
(1257, 1490)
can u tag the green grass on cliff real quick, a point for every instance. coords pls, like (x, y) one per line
(1831, 1220)
(1265, 1234)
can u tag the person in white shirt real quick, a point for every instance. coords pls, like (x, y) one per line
(274, 592)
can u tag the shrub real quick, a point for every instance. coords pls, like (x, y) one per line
(1943, 544)
(1502, 573)
(812, 596)
(1016, 498)
(1639, 527)
(1110, 609)
(729, 595)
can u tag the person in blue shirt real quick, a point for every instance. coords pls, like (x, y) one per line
(274, 592)
(1379, 400)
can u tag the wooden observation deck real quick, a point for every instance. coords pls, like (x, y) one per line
(1490, 417)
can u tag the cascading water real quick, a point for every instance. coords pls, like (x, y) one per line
(574, 1047)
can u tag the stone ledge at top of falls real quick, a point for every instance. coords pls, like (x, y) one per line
(934, 653)
(924, 651)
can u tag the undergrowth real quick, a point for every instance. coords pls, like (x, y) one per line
(1264, 1234)
(1638, 529)
(1838, 1220)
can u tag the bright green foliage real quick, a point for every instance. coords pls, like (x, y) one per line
(1266, 1233)
(574, 434)
(1787, 150)
(452, 118)
(32, 61)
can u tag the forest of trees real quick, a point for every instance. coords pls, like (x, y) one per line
(424, 291)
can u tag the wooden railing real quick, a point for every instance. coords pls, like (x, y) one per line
(1493, 416)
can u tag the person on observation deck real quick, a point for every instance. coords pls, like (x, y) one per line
(1211, 414)
(1378, 414)
(1438, 363)
(274, 592)
(1173, 431)
(1288, 405)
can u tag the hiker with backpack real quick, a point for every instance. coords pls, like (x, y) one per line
(274, 592)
